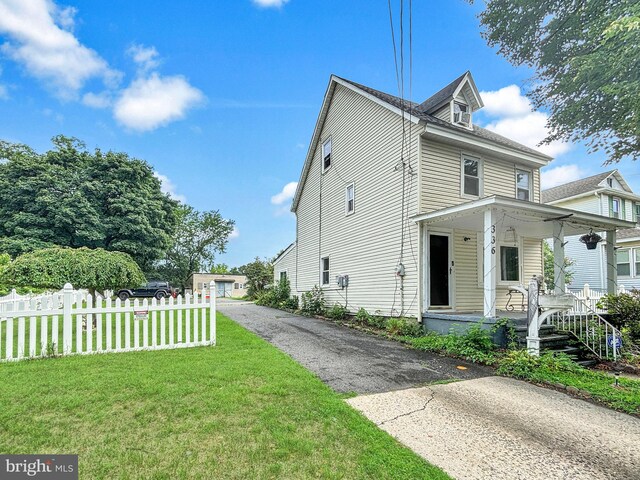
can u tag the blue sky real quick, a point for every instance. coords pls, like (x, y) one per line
(221, 97)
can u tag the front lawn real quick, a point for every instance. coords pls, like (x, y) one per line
(241, 409)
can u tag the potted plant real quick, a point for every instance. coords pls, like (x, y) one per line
(591, 240)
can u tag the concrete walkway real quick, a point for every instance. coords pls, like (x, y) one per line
(502, 429)
(345, 359)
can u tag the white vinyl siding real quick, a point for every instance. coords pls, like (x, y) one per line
(286, 263)
(366, 245)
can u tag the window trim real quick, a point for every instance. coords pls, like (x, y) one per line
(326, 141)
(286, 274)
(348, 212)
(628, 262)
(322, 270)
(530, 188)
(466, 156)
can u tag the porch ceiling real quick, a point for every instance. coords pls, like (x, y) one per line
(533, 220)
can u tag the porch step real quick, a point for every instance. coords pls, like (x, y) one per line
(587, 362)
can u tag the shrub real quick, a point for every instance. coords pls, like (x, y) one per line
(275, 296)
(521, 364)
(366, 319)
(624, 309)
(290, 304)
(362, 317)
(475, 345)
(403, 327)
(312, 302)
(337, 312)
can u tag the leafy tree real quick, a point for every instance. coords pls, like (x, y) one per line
(235, 271)
(94, 269)
(549, 263)
(259, 274)
(71, 197)
(198, 237)
(586, 57)
(220, 268)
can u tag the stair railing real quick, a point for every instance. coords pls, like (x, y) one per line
(590, 328)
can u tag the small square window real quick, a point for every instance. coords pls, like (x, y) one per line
(523, 185)
(350, 199)
(236, 286)
(509, 265)
(325, 270)
(471, 176)
(326, 154)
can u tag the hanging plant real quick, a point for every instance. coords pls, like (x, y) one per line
(591, 240)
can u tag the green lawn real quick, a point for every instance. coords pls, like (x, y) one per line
(241, 410)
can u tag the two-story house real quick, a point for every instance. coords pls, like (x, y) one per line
(605, 194)
(428, 215)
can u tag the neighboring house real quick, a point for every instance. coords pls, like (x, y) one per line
(443, 228)
(227, 285)
(605, 194)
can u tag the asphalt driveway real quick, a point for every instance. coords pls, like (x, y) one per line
(345, 359)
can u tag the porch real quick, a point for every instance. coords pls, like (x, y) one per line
(474, 253)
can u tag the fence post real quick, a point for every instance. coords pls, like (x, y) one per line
(212, 311)
(586, 291)
(67, 300)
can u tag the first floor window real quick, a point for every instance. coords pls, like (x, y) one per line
(236, 286)
(325, 270)
(471, 176)
(350, 199)
(623, 261)
(283, 276)
(523, 185)
(509, 264)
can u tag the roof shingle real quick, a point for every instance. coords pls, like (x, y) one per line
(571, 189)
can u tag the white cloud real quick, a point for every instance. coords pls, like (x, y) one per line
(516, 120)
(235, 233)
(154, 101)
(270, 3)
(97, 100)
(145, 57)
(559, 175)
(167, 186)
(40, 39)
(287, 193)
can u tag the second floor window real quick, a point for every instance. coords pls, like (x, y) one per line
(350, 199)
(615, 207)
(326, 154)
(523, 185)
(324, 265)
(471, 176)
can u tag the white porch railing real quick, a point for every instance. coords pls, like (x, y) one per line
(76, 323)
(587, 299)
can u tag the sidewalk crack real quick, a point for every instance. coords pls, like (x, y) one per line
(421, 409)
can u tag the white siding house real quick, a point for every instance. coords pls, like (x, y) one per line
(425, 212)
(606, 194)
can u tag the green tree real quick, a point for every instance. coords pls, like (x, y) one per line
(549, 263)
(220, 268)
(93, 269)
(586, 57)
(259, 274)
(71, 197)
(198, 237)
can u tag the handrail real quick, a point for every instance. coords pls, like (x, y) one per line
(590, 328)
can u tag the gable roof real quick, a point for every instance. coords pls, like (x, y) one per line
(416, 114)
(571, 189)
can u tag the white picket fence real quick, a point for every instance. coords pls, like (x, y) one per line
(587, 299)
(72, 323)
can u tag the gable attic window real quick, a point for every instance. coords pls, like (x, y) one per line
(610, 182)
(523, 185)
(461, 114)
(326, 155)
(471, 174)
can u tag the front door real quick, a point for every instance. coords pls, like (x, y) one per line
(220, 288)
(439, 272)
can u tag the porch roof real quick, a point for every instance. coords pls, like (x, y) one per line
(533, 220)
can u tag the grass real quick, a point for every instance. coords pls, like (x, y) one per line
(242, 409)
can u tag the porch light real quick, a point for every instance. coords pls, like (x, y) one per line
(591, 239)
(510, 235)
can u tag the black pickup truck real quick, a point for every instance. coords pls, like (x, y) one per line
(155, 288)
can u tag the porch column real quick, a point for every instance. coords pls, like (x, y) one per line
(489, 261)
(612, 266)
(558, 257)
